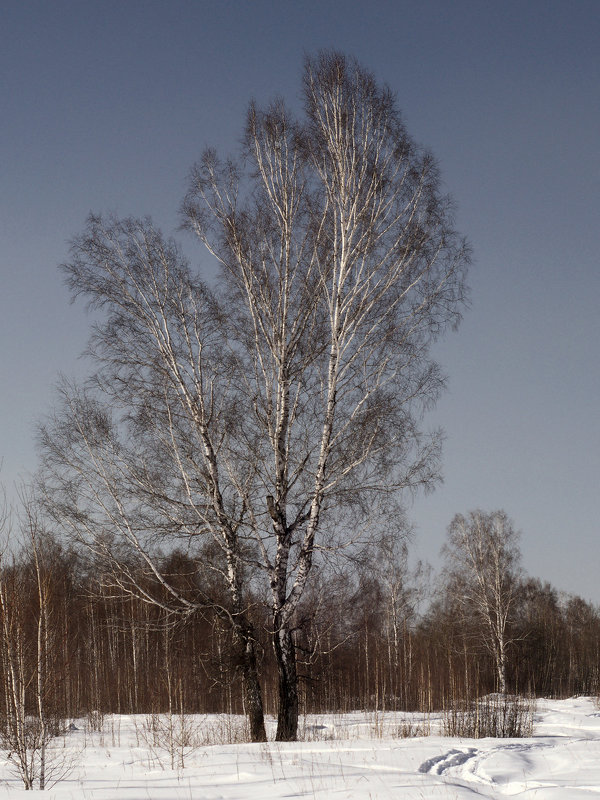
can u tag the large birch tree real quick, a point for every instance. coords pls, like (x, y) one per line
(278, 413)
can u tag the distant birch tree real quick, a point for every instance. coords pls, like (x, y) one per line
(483, 566)
(278, 414)
(28, 720)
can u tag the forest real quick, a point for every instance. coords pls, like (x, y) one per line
(381, 637)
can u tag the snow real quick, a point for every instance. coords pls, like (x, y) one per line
(354, 756)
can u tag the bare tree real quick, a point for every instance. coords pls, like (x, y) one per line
(278, 416)
(29, 721)
(133, 462)
(340, 267)
(482, 557)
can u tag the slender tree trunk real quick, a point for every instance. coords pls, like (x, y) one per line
(42, 653)
(501, 666)
(251, 685)
(287, 716)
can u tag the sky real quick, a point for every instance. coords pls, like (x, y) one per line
(105, 106)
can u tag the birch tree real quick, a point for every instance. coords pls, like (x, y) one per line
(29, 720)
(482, 557)
(341, 266)
(133, 462)
(275, 417)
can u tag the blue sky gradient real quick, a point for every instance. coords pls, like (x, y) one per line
(106, 105)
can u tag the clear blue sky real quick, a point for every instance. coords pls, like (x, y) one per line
(104, 106)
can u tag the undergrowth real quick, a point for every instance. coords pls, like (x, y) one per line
(495, 716)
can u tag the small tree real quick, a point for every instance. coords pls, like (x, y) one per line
(29, 720)
(483, 568)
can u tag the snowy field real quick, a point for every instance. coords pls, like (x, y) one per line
(351, 756)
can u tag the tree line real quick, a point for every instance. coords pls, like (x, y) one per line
(381, 637)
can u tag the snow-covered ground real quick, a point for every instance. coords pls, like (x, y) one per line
(351, 756)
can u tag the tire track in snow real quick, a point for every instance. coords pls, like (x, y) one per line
(453, 758)
(471, 772)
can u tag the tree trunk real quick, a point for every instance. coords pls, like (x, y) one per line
(287, 716)
(251, 685)
(501, 666)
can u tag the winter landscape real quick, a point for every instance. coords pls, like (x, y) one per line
(257, 545)
(348, 756)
